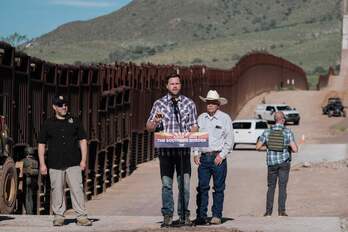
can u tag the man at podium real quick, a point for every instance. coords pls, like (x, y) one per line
(174, 113)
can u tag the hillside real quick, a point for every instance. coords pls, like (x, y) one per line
(213, 32)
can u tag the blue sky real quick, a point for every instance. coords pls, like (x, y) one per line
(36, 17)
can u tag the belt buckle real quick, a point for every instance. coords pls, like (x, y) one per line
(210, 153)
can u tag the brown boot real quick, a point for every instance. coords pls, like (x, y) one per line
(187, 220)
(58, 220)
(167, 220)
(215, 221)
(282, 214)
(83, 221)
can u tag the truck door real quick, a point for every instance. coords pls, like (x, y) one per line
(242, 132)
(259, 129)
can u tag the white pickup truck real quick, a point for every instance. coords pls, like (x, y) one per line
(266, 112)
(247, 131)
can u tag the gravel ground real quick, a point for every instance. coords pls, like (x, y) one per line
(189, 229)
(344, 224)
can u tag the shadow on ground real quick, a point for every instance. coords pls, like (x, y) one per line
(71, 220)
(176, 226)
(4, 218)
(188, 228)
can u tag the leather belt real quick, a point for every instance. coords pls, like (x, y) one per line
(211, 153)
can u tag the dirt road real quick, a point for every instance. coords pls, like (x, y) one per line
(319, 190)
(315, 126)
(317, 194)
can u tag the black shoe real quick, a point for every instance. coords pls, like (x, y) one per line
(282, 214)
(267, 214)
(201, 221)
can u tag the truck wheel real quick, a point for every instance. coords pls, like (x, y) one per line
(297, 122)
(8, 186)
(344, 113)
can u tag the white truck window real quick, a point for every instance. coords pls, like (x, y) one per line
(261, 125)
(270, 108)
(242, 125)
(283, 108)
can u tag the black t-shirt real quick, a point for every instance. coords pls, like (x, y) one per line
(62, 138)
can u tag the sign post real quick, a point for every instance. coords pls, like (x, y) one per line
(181, 140)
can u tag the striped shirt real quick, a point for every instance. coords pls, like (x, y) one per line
(274, 157)
(187, 113)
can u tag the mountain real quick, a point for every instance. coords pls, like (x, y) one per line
(213, 32)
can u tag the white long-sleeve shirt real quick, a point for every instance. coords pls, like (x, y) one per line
(220, 130)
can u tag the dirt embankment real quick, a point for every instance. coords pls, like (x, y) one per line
(314, 126)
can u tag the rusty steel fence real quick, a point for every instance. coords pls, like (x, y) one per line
(324, 79)
(113, 101)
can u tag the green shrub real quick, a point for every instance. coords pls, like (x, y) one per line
(196, 61)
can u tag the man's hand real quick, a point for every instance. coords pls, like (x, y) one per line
(260, 146)
(153, 123)
(43, 169)
(83, 165)
(158, 117)
(196, 160)
(218, 160)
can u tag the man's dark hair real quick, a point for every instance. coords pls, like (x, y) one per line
(173, 75)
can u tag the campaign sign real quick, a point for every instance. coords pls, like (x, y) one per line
(177, 140)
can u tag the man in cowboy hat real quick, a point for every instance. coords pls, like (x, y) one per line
(212, 160)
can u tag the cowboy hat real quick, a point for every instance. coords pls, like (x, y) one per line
(213, 95)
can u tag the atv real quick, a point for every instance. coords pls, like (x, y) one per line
(334, 107)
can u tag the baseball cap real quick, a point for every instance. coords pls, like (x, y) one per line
(59, 100)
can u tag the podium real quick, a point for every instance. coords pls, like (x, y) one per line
(181, 140)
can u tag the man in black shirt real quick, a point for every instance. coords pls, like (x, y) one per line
(66, 141)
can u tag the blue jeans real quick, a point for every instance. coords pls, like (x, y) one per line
(206, 170)
(167, 195)
(169, 163)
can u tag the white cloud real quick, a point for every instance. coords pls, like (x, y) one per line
(83, 3)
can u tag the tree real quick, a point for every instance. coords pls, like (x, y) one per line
(15, 39)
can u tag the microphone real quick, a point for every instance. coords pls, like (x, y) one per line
(159, 127)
